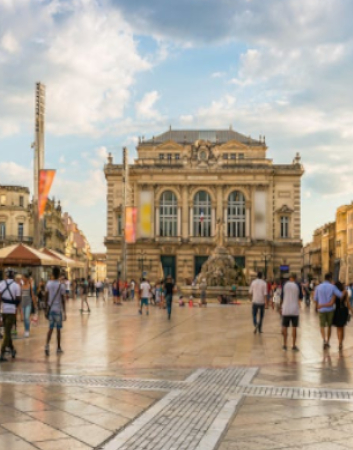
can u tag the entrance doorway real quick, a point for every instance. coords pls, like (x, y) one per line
(199, 261)
(169, 265)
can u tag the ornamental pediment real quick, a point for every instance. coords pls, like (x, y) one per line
(170, 145)
(234, 145)
(284, 209)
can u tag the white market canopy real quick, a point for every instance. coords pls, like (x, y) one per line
(67, 262)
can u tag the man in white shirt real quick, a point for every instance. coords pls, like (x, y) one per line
(292, 294)
(258, 295)
(11, 298)
(145, 292)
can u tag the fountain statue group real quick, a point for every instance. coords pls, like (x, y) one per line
(221, 269)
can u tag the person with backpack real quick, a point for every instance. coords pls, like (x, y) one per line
(56, 308)
(11, 298)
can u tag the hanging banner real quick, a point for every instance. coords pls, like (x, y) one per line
(146, 198)
(46, 178)
(130, 224)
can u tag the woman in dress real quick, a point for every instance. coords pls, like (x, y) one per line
(26, 302)
(341, 314)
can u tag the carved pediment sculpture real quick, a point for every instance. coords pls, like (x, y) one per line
(284, 209)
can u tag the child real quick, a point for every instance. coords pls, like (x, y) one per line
(181, 301)
(191, 301)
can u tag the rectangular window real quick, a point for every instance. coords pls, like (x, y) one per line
(2, 200)
(241, 156)
(20, 230)
(120, 225)
(161, 156)
(284, 227)
(233, 156)
(2, 230)
(21, 200)
(225, 155)
(169, 157)
(177, 156)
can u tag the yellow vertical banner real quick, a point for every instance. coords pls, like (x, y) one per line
(130, 224)
(146, 214)
(46, 177)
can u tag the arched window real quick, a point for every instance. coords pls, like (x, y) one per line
(236, 214)
(168, 214)
(202, 214)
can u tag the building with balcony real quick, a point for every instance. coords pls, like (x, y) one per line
(189, 182)
(16, 223)
(319, 255)
(54, 229)
(77, 247)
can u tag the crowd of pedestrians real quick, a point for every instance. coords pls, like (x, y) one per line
(21, 298)
(332, 301)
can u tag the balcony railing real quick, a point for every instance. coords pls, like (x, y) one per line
(7, 239)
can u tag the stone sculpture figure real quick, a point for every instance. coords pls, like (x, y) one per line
(219, 233)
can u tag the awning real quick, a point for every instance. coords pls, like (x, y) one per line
(23, 255)
(68, 262)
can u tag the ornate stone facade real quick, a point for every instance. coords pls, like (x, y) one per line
(196, 179)
(16, 223)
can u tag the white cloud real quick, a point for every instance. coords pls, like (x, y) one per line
(62, 159)
(85, 54)
(15, 174)
(145, 107)
(100, 158)
(217, 74)
(9, 43)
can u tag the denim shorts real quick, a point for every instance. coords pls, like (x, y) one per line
(55, 320)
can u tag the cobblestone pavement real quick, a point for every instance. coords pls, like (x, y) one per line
(202, 381)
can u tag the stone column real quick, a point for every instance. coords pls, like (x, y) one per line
(247, 219)
(225, 218)
(179, 222)
(213, 221)
(156, 224)
(191, 215)
(185, 213)
(219, 205)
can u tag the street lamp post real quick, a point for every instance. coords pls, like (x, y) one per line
(266, 258)
(144, 263)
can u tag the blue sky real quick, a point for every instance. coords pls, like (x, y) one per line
(117, 69)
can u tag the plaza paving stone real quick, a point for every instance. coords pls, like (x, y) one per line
(200, 381)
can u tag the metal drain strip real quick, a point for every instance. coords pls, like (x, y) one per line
(84, 381)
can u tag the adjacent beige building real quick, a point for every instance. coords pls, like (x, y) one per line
(15, 219)
(55, 234)
(99, 267)
(199, 183)
(77, 247)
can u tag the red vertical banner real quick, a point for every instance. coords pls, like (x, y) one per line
(46, 178)
(130, 224)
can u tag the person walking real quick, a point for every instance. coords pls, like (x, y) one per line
(132, 289)
(292, 295)
(84, 293)
(341, 313)
(55, 295)
(169, 289)
(27, 298)
(258, 295)
(10, 298)
(322, 296)
(105, 289)
(145, 292)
